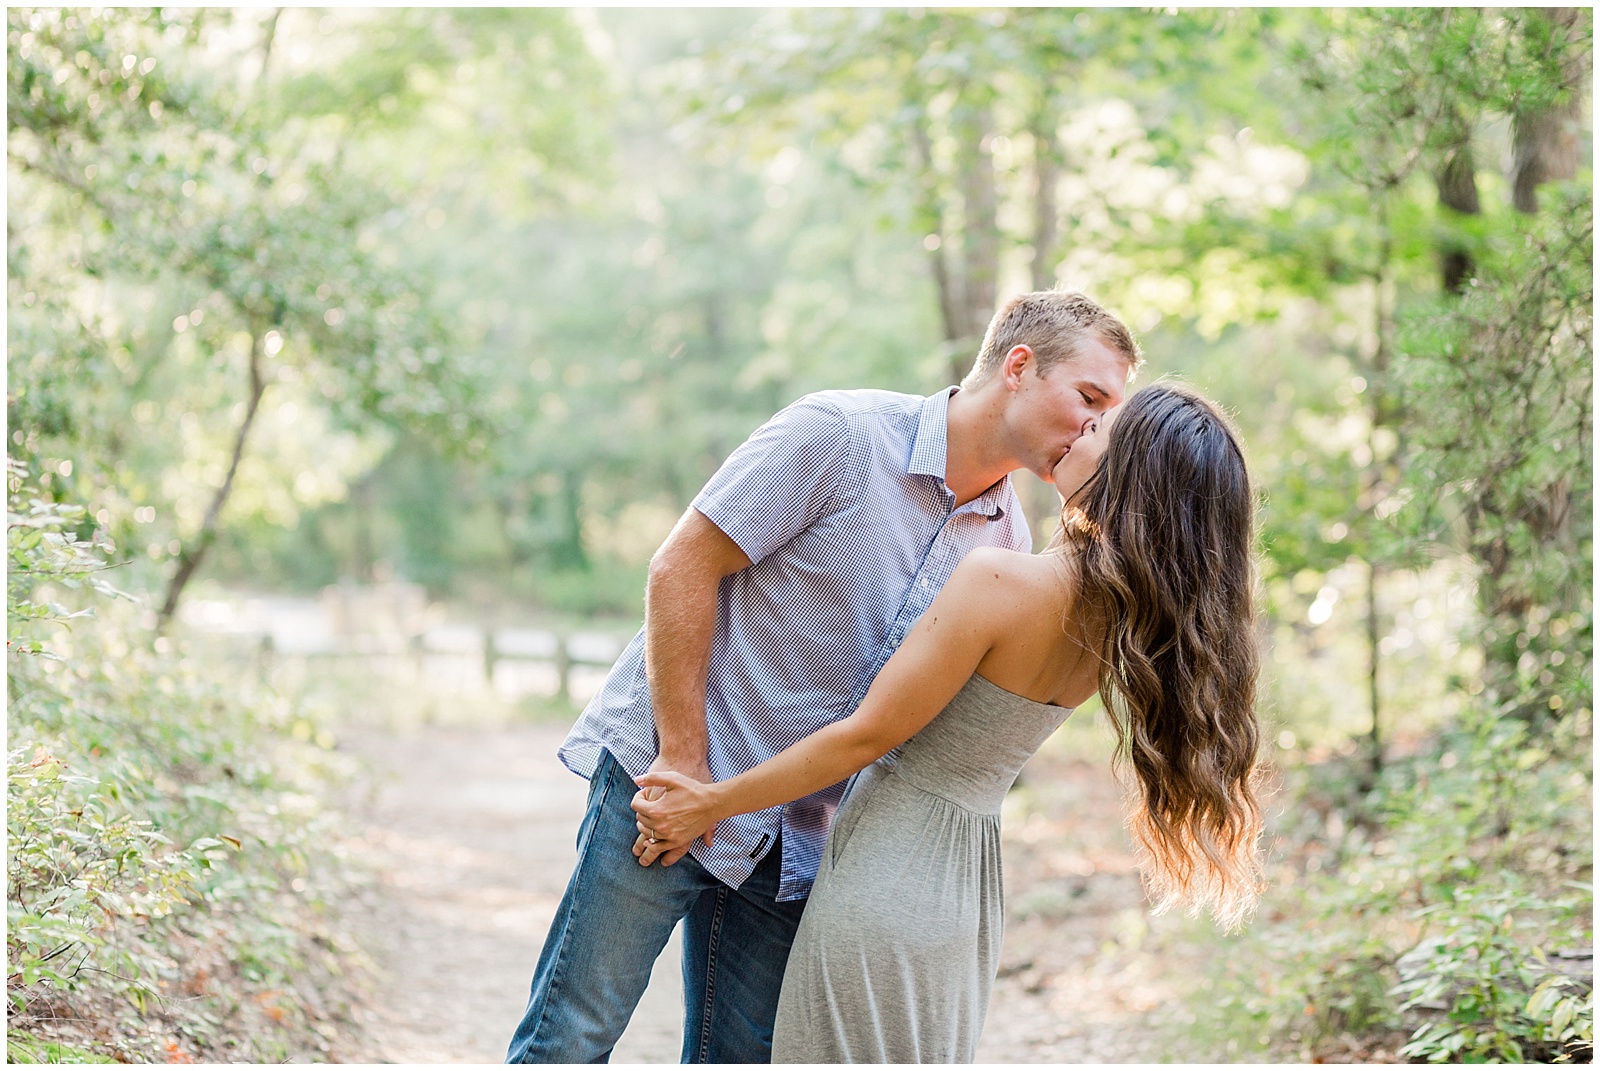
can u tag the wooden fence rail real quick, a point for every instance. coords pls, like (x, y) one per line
(394, 624)
(496, 650)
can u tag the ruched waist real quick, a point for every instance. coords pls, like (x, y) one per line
(980, 800)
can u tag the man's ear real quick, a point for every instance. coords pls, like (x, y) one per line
(1018, 358)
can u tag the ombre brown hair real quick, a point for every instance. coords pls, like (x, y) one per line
(1160, 541)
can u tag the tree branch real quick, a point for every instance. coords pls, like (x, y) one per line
(192, 555)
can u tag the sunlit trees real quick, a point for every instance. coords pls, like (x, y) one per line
(256, 284)
(195, 195)
(1502, 432)
(959, 110)
(1405, 98)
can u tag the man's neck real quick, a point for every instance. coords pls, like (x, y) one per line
(975, 455)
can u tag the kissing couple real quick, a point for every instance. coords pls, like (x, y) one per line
(849, 652)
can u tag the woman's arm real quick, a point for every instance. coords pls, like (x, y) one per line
(936, 658)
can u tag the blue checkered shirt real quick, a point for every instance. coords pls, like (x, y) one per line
(840, 503)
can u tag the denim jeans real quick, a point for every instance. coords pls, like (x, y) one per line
(614, 920)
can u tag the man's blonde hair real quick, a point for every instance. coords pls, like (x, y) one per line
(1052, 323)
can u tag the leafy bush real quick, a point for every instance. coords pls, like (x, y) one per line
(1499, 997)
(1426, 919)
(169, 869)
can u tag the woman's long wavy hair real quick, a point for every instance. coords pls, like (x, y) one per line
(1161, 544)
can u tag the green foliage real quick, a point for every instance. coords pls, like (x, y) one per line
(187, 194)
(611, 588)
(414, 82)
(1502, 432)
(1435, 916)
(1500, 1000)
(45, 551)
(170, 877)
(77, 862)
(508, 293)
(246, 215)
(23, 1048)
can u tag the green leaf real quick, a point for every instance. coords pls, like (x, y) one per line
(1564, 1013)
(1542, 999)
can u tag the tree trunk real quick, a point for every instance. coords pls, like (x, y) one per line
(1545, 142)
(1377, 480)
(931, 212)
(1046, 170)
(1546, 150)
(569, 552)
(1374, 634)
(190, 557)
(361, 512)
(715, 327)
(269, 36)
(1376, 484)
(967, 296)
(980, 233)
(1458, 191)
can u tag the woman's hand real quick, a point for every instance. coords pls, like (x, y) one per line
(673, 810)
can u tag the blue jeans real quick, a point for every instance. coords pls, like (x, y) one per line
(615, 919)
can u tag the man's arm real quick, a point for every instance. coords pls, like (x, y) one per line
(680, 619)
(976, 611)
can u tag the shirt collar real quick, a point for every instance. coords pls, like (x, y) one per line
(930, 453)
(929, 449)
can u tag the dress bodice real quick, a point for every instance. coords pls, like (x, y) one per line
(973, 749)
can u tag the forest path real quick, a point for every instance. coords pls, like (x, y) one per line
(470, 835)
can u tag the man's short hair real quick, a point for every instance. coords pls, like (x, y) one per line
(1052, 323)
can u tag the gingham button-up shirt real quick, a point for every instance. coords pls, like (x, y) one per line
(840, 503)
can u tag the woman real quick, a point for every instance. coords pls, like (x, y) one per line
(1145, 596)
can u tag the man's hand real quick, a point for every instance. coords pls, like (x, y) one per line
(668, 852)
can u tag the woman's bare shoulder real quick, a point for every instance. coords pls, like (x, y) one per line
(991, 558)
(1013, 581)
(1013, 564)
(1019, 603)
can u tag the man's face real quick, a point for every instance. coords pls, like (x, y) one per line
(1050, 412)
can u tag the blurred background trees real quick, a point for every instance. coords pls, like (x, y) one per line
(479, 298)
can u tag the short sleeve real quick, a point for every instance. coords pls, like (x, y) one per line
(781, 479)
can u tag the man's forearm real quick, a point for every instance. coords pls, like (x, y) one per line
(680, 621)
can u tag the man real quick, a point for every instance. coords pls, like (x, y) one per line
(769, 609)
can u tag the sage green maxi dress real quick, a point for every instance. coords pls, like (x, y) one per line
(900, 941)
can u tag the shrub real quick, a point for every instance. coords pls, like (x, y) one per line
(1495, 992)
(1428, 918)
(170, 870)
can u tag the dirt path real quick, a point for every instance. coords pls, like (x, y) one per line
(470, 834)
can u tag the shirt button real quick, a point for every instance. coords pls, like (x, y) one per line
(924, 581)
